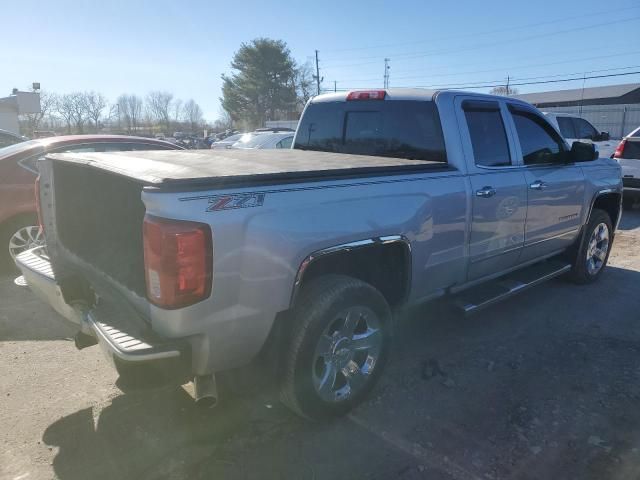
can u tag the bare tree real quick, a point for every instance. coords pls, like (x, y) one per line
(304, 83)
(177, 111)
(130, 110)
(224, 121)
(192, 114)
(95, 104)
(32, 121)
(505, 91)
(66, 108)
(78, 106)
(159, 106)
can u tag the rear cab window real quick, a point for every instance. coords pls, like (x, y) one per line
(389, 128)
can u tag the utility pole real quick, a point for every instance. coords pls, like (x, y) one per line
(317, 73)
(508, 91)
(335, 86)
(386, 73)
(584, 79)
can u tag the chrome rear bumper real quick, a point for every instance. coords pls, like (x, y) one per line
(121, 332)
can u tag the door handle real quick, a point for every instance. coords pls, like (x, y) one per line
(486, 192)
(538, 185)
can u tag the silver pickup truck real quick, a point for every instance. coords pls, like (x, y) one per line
(197, 262)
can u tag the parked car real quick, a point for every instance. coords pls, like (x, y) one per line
(227, 142)
(628, 156)
(575, 128)
(18, 171)
(7, 138)
(266, 141)
(302, 256)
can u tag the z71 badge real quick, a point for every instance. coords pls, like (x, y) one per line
(235, 200)
(231, 201)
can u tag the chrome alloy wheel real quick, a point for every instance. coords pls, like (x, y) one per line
(598, 248)
(346, 353)
(25, 239)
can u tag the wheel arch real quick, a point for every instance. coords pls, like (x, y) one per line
(610, 201)
(358, 259)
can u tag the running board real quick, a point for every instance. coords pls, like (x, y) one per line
(494, 291)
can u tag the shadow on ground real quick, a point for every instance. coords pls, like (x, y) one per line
(545, 385)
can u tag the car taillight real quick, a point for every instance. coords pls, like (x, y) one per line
(38, 206)
(367, 95)
(177, 261)
(620, 149)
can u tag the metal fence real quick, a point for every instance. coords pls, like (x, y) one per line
(618, 120)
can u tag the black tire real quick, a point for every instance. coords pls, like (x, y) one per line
(319, 305)
(580, 272)
(6, 232)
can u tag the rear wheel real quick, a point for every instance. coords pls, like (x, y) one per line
(338, 346)
(17, 235)
(593, 252)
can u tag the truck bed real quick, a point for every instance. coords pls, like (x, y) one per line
(241, 167)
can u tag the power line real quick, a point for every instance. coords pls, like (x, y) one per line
(517, 67)
(498, 83)
(549, 81)
(488, 32)
(413, 55)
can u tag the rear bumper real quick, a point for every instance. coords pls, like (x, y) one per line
(123, 335)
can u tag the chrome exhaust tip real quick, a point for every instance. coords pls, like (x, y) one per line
(205, 391)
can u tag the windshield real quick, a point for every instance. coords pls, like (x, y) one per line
(399, 128)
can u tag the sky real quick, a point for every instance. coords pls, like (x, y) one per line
(116, 47)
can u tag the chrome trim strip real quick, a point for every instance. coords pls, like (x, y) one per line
(560, 235)
(346, 247)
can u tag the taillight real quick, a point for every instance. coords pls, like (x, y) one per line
(367, 95)
(38, 206)
(177, 261)
(620, 149)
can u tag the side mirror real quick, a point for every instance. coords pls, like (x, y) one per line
(583, 152)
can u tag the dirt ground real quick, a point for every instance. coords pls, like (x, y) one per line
(545, 385)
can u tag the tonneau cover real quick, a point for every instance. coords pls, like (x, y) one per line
(226, 167)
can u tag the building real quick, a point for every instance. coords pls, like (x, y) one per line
(16, 104)
(612, 108)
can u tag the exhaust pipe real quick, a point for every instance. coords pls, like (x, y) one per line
(205, 390)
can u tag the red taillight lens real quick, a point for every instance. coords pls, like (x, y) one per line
(38, 206)
(177, 260)
(620, 149)
(367, 95)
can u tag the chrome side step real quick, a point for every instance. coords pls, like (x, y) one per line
(475, 299)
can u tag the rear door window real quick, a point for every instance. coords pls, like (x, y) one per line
(389, 128)
(488, 136)
(565, 124)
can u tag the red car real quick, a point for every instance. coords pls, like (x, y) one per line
(18, 171)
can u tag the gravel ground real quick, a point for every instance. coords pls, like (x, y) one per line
(545, 385)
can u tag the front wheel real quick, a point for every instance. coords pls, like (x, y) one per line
(338, 346)
(593, 251)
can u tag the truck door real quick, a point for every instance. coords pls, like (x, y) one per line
(498, 189)
(555, 188)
